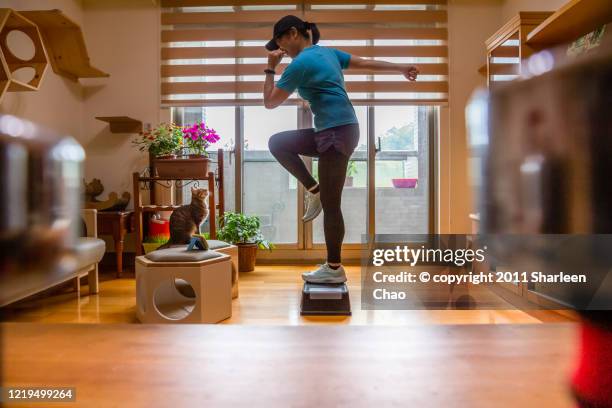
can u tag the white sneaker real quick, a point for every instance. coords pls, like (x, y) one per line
(325, 274)
(313, 206)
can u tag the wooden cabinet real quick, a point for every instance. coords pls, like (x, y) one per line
(508, 47)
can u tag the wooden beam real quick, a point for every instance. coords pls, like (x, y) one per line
(317, 16)
(172, 88)
(203, 3)
(327, 33)
(257, 69)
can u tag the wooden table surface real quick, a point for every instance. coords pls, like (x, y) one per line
(125, 365)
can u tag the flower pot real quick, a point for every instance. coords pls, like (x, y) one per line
(166, 156)
(195, 168)
(404, 182)
(348, 182)
(246, 257)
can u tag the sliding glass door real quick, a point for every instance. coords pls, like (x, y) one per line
(402, 168)
(389, 185)
(268, 190)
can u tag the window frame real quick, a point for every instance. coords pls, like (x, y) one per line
(304, 240)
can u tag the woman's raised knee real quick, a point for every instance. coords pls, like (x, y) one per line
(275, 142)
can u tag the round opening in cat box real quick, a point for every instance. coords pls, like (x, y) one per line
(174, 299)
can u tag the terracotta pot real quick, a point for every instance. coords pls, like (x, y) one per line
(246, 257)
(196, 168)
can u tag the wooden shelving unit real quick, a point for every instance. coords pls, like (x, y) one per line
(539, 30)
(575, 19)
(65, 44)
(510, 41)
(122, 124)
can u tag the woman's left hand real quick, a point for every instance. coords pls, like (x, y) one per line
(410, 72)
(274, 58)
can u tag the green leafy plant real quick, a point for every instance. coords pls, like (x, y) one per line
(352, 168)
(163, 140)
(237, 228)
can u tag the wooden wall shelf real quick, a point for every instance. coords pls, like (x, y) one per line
(65, 44)
(575, 19)
(122, 124)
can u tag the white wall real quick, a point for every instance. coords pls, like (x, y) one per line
(470, 23)
(123, 39)
(512, 7)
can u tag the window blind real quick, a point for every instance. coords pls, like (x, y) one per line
(213, 51)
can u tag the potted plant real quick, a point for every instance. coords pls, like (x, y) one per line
(243, 231)
(196, 139)
(350, 172)
(161, 142)
(404, 182)
(153, 242)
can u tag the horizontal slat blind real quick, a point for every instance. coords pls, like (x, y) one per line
(212, 51)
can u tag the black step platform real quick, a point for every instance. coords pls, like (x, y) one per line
(325, 299)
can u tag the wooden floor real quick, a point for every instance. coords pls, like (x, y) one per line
(131, 365)
(270, 295)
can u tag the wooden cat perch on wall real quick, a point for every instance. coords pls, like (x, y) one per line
(65, 44)
(10, 63)
(56, 39)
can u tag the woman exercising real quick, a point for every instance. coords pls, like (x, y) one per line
(316, 72)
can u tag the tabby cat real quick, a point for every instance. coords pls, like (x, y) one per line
(185, 221)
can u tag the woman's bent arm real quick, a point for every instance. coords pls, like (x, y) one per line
(273, 96)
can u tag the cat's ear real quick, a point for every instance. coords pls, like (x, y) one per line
(193, 190)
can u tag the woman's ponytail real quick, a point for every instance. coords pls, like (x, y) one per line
(313, 29)
(315, 33)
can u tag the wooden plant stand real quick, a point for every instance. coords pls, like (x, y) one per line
(142, 211)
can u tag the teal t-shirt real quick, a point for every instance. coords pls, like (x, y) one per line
(317, 75)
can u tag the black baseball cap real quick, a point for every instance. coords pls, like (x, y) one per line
(283, 25)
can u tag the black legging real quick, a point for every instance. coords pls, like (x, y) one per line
(333, 147)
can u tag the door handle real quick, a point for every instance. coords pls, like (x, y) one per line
(377, 148)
